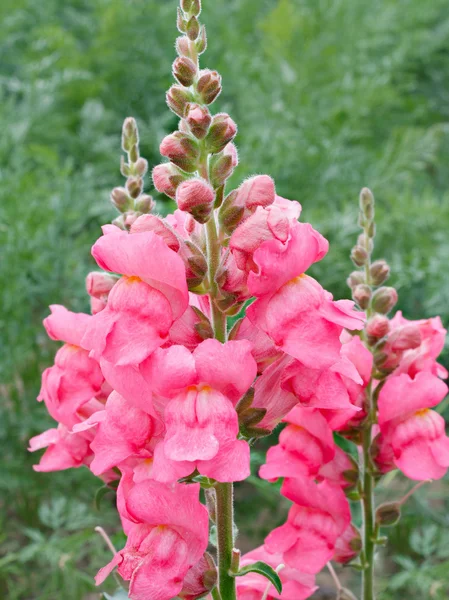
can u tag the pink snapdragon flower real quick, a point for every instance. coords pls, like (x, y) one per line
(75, 377)
(168, 537)
(143, 305)
(304, 446)
(195, 397)
(318, 517)
(415, 433)
(64, 450)
(414, 346)
(295, 585)
(304, 321)
(123, 431)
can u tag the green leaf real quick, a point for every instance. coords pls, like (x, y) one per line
(263, 569)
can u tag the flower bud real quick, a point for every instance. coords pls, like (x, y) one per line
(367, 203)
(144, 204)
(120, 199)
(359, 256)
(348, 545)
(220, 168)
(345, 594)
(362, 295)
(181, 23)
(384, 299)
(192, 28)
(177, 99)
(167, 177)
(231, 214)
(99, 283)
(196, 196)
(221, 132)
(208, 86)
(201, 42)
(130, 134)
(256, 191)
(377, 328)
(388, 514)
(134, 185)
(141, 167)
(379, 272)
(231, 150)
(198, 119)
(183, 46)
(200, 579)
(97, 305)
(191, 6)
(184, 70)
(182, 150)
(355, 278)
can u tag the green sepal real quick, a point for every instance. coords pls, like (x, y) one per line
(262, 569)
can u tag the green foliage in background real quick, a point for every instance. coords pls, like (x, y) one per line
(330, 96)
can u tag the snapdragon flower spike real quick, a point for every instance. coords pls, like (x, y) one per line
(196, 398)
(318, 517)
(415, 433)
(169, 535)
(295, 585)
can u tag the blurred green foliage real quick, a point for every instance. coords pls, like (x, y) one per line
(330, 95)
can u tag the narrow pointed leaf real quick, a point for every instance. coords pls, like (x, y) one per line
(263, 569)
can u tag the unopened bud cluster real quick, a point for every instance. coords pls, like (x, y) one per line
(367, 283)
(130, 200)
(201, 154)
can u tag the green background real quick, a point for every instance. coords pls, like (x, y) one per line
(329, 96)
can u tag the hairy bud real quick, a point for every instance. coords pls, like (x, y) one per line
(362, 295)
(192, 28)
(144, 204)
(388, 514)
(384, 299)
(198, 119)
(141, 167)
(184, 70)
(208, 86)
(367, 203)
(256, 191)
(134, 185)
(201, 42)
(379, 272)
(221, 132)
(359, 255)
(355, 278)
(220, 168)
(177, 99)
(130, 134)
(183, 46)
(377, 328)
(191, 6)
(167, 177)
(196, 197)
(231, 150)
(182, 150)
(121, 199)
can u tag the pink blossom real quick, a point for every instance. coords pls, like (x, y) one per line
(168, 537)
(304, 322)
(264, 350)
(65, 450)
(318, 517)
(416, 433)
(123, 431)
(195, 393)
(295, 585)
(75, 377)
(304, 446)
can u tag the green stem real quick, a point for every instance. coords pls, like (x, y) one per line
(216, 594)
(368, 520)
(225, 538)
